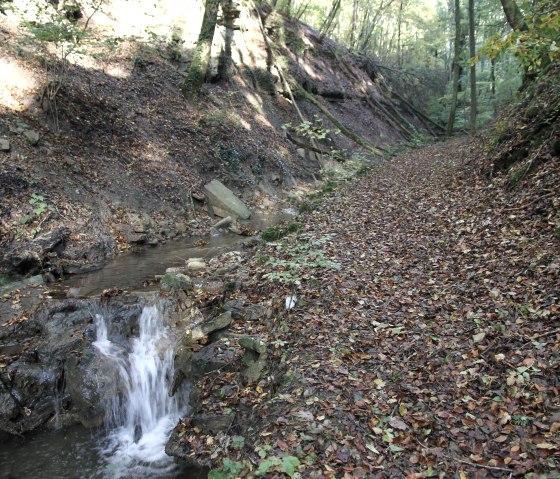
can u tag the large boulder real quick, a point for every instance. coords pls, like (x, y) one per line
(222, 198)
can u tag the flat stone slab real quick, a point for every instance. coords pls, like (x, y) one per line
(223, 198)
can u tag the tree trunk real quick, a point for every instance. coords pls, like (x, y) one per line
(456, 68)
(199, 64)
(493, 84)
(353, 24)
(472, 54)
(370, 29)
(513, 15)
(301, 10)
(399, 47)
(326, 27)
(230, 15)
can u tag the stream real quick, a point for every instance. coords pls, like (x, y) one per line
(140, 416)
(137, 423)
(136, 270)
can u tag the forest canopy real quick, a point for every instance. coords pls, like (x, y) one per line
(415, 40)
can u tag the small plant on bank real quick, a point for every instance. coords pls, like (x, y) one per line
(418, 140)
(296, 263)
(276, 232)
(517, 173)
(307, 206)
(31, 223)
(286, 464)
(58, 27)
(229, 470)
(312, 130)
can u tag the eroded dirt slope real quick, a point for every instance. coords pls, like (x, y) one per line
(120, 158)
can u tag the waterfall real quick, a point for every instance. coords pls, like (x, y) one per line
(140, 421)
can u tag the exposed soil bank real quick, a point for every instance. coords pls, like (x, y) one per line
(123, 158)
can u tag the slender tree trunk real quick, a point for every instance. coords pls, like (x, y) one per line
(288, 8)
(327, 24)
(301, 9)
(472, 54)
(369, 29)
(493, 84)
(353, 24)
(399, 24)
(456, 68)
(201, 59)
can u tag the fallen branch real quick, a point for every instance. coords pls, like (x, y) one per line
(376, 150)
(420, 114)
(307, 146)
(373, 103)
(474, 464)
(522, 207)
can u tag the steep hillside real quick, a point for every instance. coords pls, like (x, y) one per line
(118, 157)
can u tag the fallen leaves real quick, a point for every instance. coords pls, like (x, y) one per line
(433, 350)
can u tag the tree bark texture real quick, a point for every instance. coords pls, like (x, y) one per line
(456, 67)
(201, 59)
(513, 15)
(472, 54)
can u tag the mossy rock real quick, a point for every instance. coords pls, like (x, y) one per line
(176, 282)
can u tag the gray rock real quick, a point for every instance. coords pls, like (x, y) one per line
(73, 293)
(213, 423)
(33, 280)
(33, 256)
(181, 227)
(252, 343)
(19, 127)
(176, 269)
(176, 282)
(254, 358)
(219, 322)
(137, 238)
(5, 145)
(251, 312)
(196, 265)
(92, 381)
(216, 210)
(218, 355)
(223, 223)
(222, 197)
(32, 136)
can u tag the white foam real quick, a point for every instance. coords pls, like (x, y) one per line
(145, 373)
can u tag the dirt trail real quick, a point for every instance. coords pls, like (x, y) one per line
(433, 350)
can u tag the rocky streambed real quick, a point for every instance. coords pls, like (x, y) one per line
(70, 364)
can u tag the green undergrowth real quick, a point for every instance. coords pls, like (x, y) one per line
(298, 260)
(334, 178)
(276, 232)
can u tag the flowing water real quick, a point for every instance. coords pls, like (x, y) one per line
(142, 419)
(135, 270)
(138, 422)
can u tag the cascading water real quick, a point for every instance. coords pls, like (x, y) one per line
(140, 421)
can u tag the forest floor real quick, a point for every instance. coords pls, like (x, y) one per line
(430, 349)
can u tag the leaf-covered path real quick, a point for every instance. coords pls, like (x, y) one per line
(434, 350)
